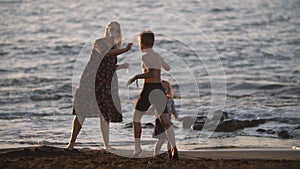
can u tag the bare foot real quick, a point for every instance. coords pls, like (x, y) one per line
(108, 148)
(70, 146)
(136, 153)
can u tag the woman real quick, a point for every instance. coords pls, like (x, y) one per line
(97, 94)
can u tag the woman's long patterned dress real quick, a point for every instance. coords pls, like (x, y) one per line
(96, 95)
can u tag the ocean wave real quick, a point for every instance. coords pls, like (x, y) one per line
(52, 94)
(45, 96)
(23, 81)
(5, 44)
(270, 86)
(5, 70)
(226, 9)
(2, 53)
(65, 88)
(66, 49)
(288, 120)
(20, 115)
(255, 86)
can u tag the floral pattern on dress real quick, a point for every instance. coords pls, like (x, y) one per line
(103, 92)
(94, 96)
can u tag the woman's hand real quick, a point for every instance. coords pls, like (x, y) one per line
(129, 45)
(123, 66)
(115, 52)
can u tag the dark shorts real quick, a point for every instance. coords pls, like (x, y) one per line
(143, 102)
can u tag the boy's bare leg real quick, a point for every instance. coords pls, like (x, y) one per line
(158, 146)
(169, 149)
(169, 130)
(76, 127)
(168, 146)
(104, 125)
(137, 131)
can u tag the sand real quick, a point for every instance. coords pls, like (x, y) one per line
(53, 157)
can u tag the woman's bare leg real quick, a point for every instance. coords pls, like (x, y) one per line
(158, 146)
(76, 127)
(104, 125)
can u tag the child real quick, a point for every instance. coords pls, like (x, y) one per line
(158, 129)
(152, 93)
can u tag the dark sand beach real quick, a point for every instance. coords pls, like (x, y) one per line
(52, 157)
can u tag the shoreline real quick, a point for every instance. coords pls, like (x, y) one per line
(53, 157)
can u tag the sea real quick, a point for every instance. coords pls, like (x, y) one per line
(238, 57)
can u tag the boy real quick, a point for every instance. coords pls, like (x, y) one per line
(152, 93)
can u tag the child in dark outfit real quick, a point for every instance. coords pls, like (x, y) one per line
(158, 129)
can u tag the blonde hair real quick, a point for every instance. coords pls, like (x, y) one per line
(118, 38)
(168, 90)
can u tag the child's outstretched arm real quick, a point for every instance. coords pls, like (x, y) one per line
(174, 112)
(165, 66)
(148, 74)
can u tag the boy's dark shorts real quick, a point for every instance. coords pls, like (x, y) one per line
(143, 102)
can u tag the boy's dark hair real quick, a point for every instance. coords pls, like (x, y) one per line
(147, 38)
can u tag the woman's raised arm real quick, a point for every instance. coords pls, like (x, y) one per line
(115, 52)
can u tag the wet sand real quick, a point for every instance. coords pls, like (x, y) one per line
(52, 157)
